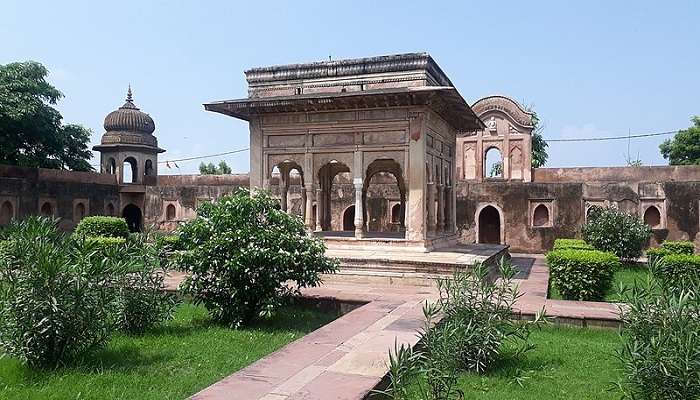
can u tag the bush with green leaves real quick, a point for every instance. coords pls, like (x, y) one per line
(615, 231)
(661, 345)
(678, 246)
(576, 244)
(582, 274)
(240, 251)
(99, 225)
(141, 300)
(678, 272)
(477, 319)
(57, 294)
(655, 253)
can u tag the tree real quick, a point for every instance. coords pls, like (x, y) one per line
(31, 131)
(684, 147)
(539, 145)
(211, 169)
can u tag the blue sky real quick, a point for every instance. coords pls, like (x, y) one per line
(594, 68)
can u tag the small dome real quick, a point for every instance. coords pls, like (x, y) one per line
(128, 118)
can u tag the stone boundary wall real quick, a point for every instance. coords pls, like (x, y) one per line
(57, 175)
(680, 173)
(204, 180)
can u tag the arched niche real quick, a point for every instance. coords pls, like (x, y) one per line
(170, 212)
(489, 224)
(349, 218)
(7, 212)
(652, 217)
(133, 216)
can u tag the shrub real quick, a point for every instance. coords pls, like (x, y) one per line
(477, 321)
(103, 243)
(102, 226)
(57, 294)
(678, 271)
(582, 274)
(661, 346)
(240, 250)
(169, 243)
(576, 244)
(614, 231)
(141, 300)
(679, 246)
(656, 253)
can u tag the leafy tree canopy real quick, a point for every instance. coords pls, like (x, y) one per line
(539, 145)
(684, 147)
(31, 131)
(210, 169)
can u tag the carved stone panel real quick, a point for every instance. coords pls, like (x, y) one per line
(469, 161)
(286, 141)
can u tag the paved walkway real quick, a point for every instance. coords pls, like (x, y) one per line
(343, 360)
(347, 358)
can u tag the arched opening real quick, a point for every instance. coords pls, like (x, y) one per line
(46, 209)
(132, 215)
(79, 212)
(170, 212)
(287, 182)
(111, 166)
(493, 163)
(6, 212)
(489, 225)
(148, 169)
(349, 219)
(384, 183)
(652, 217)
(396, 213)
(130, 171)
(335, 182)
(110, 209)
(541, 216)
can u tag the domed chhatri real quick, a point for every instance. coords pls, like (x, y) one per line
(129, 118)
(128, 139)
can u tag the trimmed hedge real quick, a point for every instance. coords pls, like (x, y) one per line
(169, 242)
(678, 271)
(104, 242)
(574, 244)
(678, 247)
(582, 274)
(103, 226)
(656, 253)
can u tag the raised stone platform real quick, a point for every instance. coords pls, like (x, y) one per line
(396, 266)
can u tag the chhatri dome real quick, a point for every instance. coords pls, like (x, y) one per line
(129, 118)
(129, 125)
(128, 141)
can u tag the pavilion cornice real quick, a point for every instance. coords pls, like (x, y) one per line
(444, 100)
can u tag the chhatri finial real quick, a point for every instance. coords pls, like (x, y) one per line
(129, 98)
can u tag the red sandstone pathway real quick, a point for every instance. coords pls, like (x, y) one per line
(347, 358)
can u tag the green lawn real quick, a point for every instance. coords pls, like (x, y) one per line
(627, 276)
(567, 363)
(172, 362)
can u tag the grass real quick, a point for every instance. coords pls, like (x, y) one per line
(567, 363)
(626, 276)
(174, 361)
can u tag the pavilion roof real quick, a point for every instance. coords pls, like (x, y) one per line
(444, 100)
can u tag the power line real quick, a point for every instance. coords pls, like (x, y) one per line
(205, 156)
(612, 137)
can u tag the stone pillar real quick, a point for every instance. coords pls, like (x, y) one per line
(319, 208)
(417, 179)
(359, 210)
(309, 207)
(441, 208)
(431, 207)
